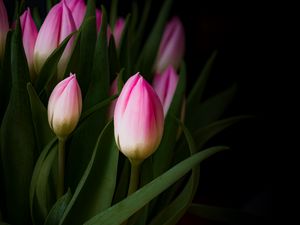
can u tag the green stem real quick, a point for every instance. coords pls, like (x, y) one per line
(134, 181)
(134, 178)
(61, 167)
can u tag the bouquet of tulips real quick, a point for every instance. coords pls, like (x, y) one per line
(97, 126)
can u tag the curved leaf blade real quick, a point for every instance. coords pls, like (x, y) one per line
(149, 52)
(58, 209)
(96, 188)
(18, 149)
(50, 66)
(211, 109)
(43, 131)
(126, 208)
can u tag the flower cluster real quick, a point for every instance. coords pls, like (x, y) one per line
(77, 89)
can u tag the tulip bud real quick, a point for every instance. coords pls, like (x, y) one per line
(98, 19)
(78, 8)
(165, 86)
(113, 91)
(171, 47)
(57, 26)
(118, 29)
(3, 28)
(64, 107)
(138, 120)
(29, 37)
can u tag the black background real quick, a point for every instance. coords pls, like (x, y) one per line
(242, 177)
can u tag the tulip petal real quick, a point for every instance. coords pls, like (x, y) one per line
(30, 33)
(48, 37)
(165, 86)
(138, 119)
(78, 9)
(64, 106)
(172, 46)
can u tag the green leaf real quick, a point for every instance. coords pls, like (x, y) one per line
(125, 48)
(204, 134)
(50, 66)
(137, 39)
(18, 149)
(174, 211)
(196, 94)
(114, 64)
(45, 193)
(211, 109)
(126, 208)
(162, 158)
(149, 52)
(5, 76)
(225, 215)
(96, 188)
(43, 131)
(134, 19)
(74, 61)
(96, 107)
(36, 213)
(85, 137)
(99, 85)
(58, 209)
(88, 37)
(113, 13)
(36, 16)
(123, 179)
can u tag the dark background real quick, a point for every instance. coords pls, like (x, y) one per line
(241, 178)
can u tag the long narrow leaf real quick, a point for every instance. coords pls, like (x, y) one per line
(174, 211)
(85, 137)
(97, 185)
(211, 109)
(50, 66)
(162, 158)
(58, 209)
(43, 132)
(88, 38)
(149, 52)
(36, 215)
(198, 89)
(18, 149)
(126, 208)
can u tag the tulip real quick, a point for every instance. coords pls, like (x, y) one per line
(98, 19)
(165, 86)
(138, 120)
(4, 26)
(118, 29)
(64, 107)
(171, 47)
(78, 8)
(58, 24)
(29, 31)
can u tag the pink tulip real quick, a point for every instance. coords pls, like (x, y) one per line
(64, 107)
(98, 19)
(171, 47)
(4, 26)
(78, 8)
(57, 26)
(29, 37)
(138, 120)
(165, 86)
(113, 91)
(118, 29)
